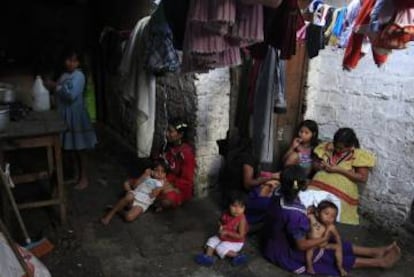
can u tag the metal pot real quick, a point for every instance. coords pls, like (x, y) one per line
(4, 117)
(7, 93)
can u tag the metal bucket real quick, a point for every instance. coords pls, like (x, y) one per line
(7, 93)
(4, 117)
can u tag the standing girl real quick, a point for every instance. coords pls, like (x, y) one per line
(300, 152)
(79, 135)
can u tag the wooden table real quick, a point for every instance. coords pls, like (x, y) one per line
(38, 129)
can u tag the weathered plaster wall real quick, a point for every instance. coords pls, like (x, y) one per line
(203, 101)
(213, 94)
(176, 97)
(379, 105)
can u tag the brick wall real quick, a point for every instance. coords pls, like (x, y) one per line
(379, 105)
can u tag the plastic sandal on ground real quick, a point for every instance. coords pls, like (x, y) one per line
(239, 260)
(203, 259)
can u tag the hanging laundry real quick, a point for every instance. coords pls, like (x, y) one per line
(328, 19)
(352, 12)
(281, 25)
(215, 32)
(376, 26)
(138, 85)
(314, 33)
(353, 52)
(176, 15)
(160, 54)
(382, 13)
(339, 23)
(268, 87)
(301, 33)
(280, 106)
(334, 29)
(398, 33)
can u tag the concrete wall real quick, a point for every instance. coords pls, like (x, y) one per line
(379, 105)
(213, 95)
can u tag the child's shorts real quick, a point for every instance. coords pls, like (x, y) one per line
(144, 206)
(223, 247)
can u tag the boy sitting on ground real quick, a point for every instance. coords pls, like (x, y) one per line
(322, 219)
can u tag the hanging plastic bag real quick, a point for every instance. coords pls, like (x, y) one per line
(10, 267)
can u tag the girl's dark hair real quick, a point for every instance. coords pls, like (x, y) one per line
(326, 204)
(237, 197)
(347, 137)
(180, 125)
(162, 163)
(293, 179)
(70, 51)
(313, 127)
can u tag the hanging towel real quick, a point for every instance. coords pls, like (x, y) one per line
(129, 63)
(266, 90)
(139, 85)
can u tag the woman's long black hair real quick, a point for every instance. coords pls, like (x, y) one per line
(293, 179)
(347, 137)
(180, 125)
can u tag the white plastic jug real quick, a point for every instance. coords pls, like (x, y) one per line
(41, 97)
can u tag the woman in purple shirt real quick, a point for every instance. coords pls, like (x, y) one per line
(285, 235)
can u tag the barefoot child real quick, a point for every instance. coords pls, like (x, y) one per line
(231, 235)
(140, 193)
(79, 136)
(322, 220)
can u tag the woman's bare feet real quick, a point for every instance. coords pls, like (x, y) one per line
(382, 251)
(392, 256)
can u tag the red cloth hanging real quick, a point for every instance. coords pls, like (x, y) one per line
(353, 51)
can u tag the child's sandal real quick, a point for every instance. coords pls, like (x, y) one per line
(239, 260)
(203, 259)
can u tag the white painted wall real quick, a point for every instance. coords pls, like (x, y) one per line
(213, 94)
(379, 105)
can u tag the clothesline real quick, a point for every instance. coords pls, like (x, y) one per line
(379, 26)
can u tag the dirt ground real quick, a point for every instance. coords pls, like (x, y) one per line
(157, 244)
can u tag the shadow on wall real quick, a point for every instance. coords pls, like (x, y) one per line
(176, 97)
